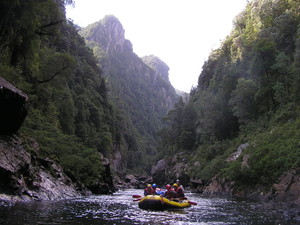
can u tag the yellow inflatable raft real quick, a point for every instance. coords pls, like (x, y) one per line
(156, 202)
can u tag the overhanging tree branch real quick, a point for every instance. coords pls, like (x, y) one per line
(41, 30)
(53, 76)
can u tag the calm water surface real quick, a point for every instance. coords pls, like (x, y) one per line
(120, 209)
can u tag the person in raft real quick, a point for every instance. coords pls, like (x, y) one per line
(170, 192)
(154, 187)
(178, 190)
(157, 190)
(179, 184)
(149, 190)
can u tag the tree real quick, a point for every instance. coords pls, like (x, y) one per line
(282, 69)
(242, 101)
(296, 68)
(188, 133)
(265, 54)
(174, 121)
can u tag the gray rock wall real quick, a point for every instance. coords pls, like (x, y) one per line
(23, 176)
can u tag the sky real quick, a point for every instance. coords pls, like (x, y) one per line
(182, 33)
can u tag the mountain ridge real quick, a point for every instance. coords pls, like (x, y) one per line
(139, 87)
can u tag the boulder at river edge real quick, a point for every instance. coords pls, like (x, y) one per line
(13, 107)
(167, 171)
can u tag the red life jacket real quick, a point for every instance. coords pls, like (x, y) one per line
(149, 191)
(180, 193)
(171, 193)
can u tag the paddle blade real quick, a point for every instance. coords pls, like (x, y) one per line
(136, 196)
(192, 203)
(135, 200)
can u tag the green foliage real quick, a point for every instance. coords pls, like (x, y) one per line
(83, 162)
(233, 171)
(209, 160)
(243, 102)
(180, 132)
(247, 92)
(273, 152)
(70, 115)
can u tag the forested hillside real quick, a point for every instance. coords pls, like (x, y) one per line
(140, 91)
(69, 115)
(240, 124)
(247, 93)
(85, 103)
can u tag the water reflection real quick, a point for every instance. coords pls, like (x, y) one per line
(120, 209)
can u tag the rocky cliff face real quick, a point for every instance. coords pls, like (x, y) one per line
(140, 89)
(157, 65)
(24, 176)
(169, 170)
(110, 35)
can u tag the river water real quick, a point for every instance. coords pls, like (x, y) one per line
(120, 208)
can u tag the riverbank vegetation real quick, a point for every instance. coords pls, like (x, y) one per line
(70, 115)
(84, 105)
(247, 93)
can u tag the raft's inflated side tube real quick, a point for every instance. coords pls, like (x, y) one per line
(156, 202)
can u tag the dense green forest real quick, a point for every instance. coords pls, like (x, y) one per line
(70, 115)
(247, 93)
(85, 103)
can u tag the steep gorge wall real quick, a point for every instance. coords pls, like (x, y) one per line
(23, 174)
(142, 93)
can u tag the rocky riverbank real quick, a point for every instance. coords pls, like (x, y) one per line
(25, 177)
(283, 195)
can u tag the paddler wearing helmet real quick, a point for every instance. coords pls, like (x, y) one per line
(149, 190)
(178, 190)
(170, 192)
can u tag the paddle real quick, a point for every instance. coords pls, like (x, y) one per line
(136, 196)
(192, 203)
(135, 200)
